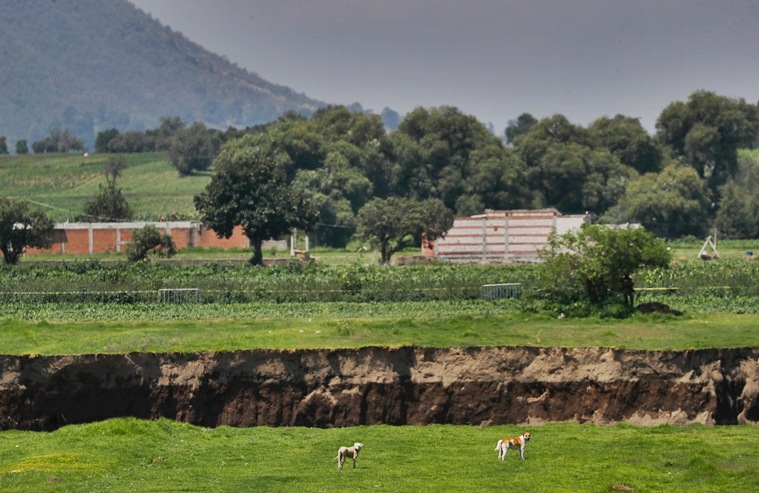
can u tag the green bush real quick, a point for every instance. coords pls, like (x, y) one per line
(149, 239)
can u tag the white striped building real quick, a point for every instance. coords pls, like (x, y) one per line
(501, 236)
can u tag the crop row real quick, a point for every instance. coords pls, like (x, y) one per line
(219, 283)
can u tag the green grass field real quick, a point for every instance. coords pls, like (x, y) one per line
(151, 328)
(127, 455)
(65, 182)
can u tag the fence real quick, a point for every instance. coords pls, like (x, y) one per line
(180, 295)
(491, 292)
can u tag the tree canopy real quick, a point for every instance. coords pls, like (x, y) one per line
(193, 149)
(738, 213)
(250, 189)
(394, 223)
(707, 131)
(21, 228)
(684, 180)
(592, 263)
(670, 204)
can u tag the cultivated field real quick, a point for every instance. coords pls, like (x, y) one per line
(62, 183)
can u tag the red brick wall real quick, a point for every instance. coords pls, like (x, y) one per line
(74, 238)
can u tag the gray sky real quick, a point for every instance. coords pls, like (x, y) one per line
(493, 59)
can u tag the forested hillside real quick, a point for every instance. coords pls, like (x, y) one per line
(90, 65)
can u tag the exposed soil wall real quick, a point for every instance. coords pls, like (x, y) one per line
(409, 385)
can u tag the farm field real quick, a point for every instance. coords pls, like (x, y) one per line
(128, 455)
(62, 183)
(308, 326)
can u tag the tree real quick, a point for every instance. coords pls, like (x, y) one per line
(519, 127)
(193, 149)
(167, 129)
(60, 140)
(670, 204)
(394, 223)
(3, 145)
(567, 169)
(738, 213)
(109, 204)
(336, 158)
(338, 191)
(707, 132)
(21, 228)
(250, 190)
(148, 239)
(104, 139)
(626, 139)
(439, 153)
(596, 262)
(22, 147)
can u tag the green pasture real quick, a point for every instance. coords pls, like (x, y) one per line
(128, 455)
(151, 328)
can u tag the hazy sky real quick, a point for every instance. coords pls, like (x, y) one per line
(493, 59)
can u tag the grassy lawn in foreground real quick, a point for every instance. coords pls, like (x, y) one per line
(648, 332)
(128, 455)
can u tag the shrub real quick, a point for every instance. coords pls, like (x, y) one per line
(149, 239)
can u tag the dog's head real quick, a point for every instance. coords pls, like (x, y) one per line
(526, 436)
(358, 446)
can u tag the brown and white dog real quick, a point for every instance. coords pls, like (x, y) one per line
(517, 443)
(348, 453)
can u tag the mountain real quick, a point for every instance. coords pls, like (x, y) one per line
(91, 65)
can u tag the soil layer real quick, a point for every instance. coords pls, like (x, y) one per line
(399, 386)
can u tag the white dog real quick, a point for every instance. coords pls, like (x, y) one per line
(517, 443)
(349, 453)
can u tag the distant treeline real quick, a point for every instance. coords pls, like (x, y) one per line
(696, 173)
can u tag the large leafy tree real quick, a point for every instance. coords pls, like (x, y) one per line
(22, 147)
(519, 127)
(738, 214)
(670, 204)
(440, 152)
(21, 228)
(568, 169)
(338, 190)
(626, 139)
(394, 223)
(594, 262)
(250, 189)
(707, 131)
(193, 148)
(333, 158)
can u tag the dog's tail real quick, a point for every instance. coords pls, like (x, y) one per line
(500, 442)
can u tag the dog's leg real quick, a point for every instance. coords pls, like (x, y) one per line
(521, 452)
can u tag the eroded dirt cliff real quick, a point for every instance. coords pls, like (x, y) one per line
(409, 385)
